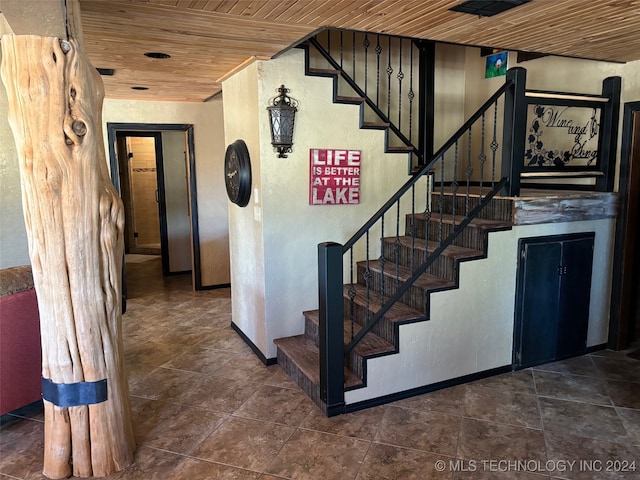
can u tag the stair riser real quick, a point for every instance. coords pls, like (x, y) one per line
(384, 329)
(471, 237)
(498, 209)
(443, 266)
(312, 390)
(415, 297)
(311, 331)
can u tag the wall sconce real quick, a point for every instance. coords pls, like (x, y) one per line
(282, 112)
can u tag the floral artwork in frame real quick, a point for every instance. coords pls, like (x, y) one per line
(496, 65)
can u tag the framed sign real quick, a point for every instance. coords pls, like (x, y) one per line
(334, 177)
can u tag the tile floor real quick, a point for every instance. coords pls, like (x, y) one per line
(204, 407)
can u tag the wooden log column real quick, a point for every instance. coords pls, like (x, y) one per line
(74, 221)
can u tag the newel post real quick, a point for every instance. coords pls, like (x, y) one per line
(608, 141)
(514, 130)
(331, 327)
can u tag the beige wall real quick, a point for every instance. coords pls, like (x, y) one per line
(207, 120)
(14, 249)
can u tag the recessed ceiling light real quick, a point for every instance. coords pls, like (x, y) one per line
(106, 72)
(157, 55)
(139, 88)
(487, 8)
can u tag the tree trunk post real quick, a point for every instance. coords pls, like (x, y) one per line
(74, 220)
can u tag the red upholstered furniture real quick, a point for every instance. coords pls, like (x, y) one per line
(20, 350)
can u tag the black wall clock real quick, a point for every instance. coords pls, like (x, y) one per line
(237, 173)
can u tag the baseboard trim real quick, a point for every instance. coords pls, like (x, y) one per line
(374, 402)
(597, 348)
(256, 350)
(214, 287)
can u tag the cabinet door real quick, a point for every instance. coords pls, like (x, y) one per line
(538, 290)
(552, 298)
(575, 293)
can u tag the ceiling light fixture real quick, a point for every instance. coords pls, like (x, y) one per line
(157, 55)
(106, 72)
(487, 8)
(139, 88)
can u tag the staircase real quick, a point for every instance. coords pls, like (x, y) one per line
(299, 355)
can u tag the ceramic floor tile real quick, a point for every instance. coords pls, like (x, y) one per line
(247, 368)
(618, 367)
(423, 430)
(575, 366)
(516, 382)
(200, 360)
(310, 455)
(225, 340)
(163, 383)
(581, 419)
(386, 462)
(170, 426)
(195, 469)
(278, 405)
(149, 463)
(498, 472)
(502, 406)
(362, 424)
(448, 400)
(631, 422)
(21, 449)
(594, 459)
(572, 387)
(215, 393)
(489, 441)
(244, 443)
(624, 394)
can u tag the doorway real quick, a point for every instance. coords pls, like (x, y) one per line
(153, 169)
(624, 323)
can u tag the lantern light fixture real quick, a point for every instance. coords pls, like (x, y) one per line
(282, 112)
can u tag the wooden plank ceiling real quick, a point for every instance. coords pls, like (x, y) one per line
(208, 39)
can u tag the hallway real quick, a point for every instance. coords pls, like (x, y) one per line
(205, 407)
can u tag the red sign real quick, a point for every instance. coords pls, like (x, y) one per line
(334, 177)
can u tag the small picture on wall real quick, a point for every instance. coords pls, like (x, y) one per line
(496, 65)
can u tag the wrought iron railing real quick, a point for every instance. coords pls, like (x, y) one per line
(394, 77)
(487, 155)
(425, 193)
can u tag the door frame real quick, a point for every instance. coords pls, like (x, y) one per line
(626, 232)
(130, 129)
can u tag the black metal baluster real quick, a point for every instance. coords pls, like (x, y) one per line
(382, 261)
(389, 72)
(482, 157)
(494, 146)
(352, 294)
(411, 95)
(427, 210)
(341, 50)
(353, 56)
(468, 172)
(378, 52)
(441, 199)
(397, 245)
(329, 41)
(400, 78)
(454, 184)
(412, 224)
(367, 280)
(366, 44)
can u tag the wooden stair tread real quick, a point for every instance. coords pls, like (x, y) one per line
(323, 71)
(370, 345)
(306, 355)
(476, 222)
(426, 281)
(452, 251)
(348, 99)
(399, 148)
(374, 125)
(398, 313)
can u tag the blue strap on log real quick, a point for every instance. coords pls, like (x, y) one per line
(74, 394)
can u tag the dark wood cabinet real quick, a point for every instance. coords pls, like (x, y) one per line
(552, 298)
